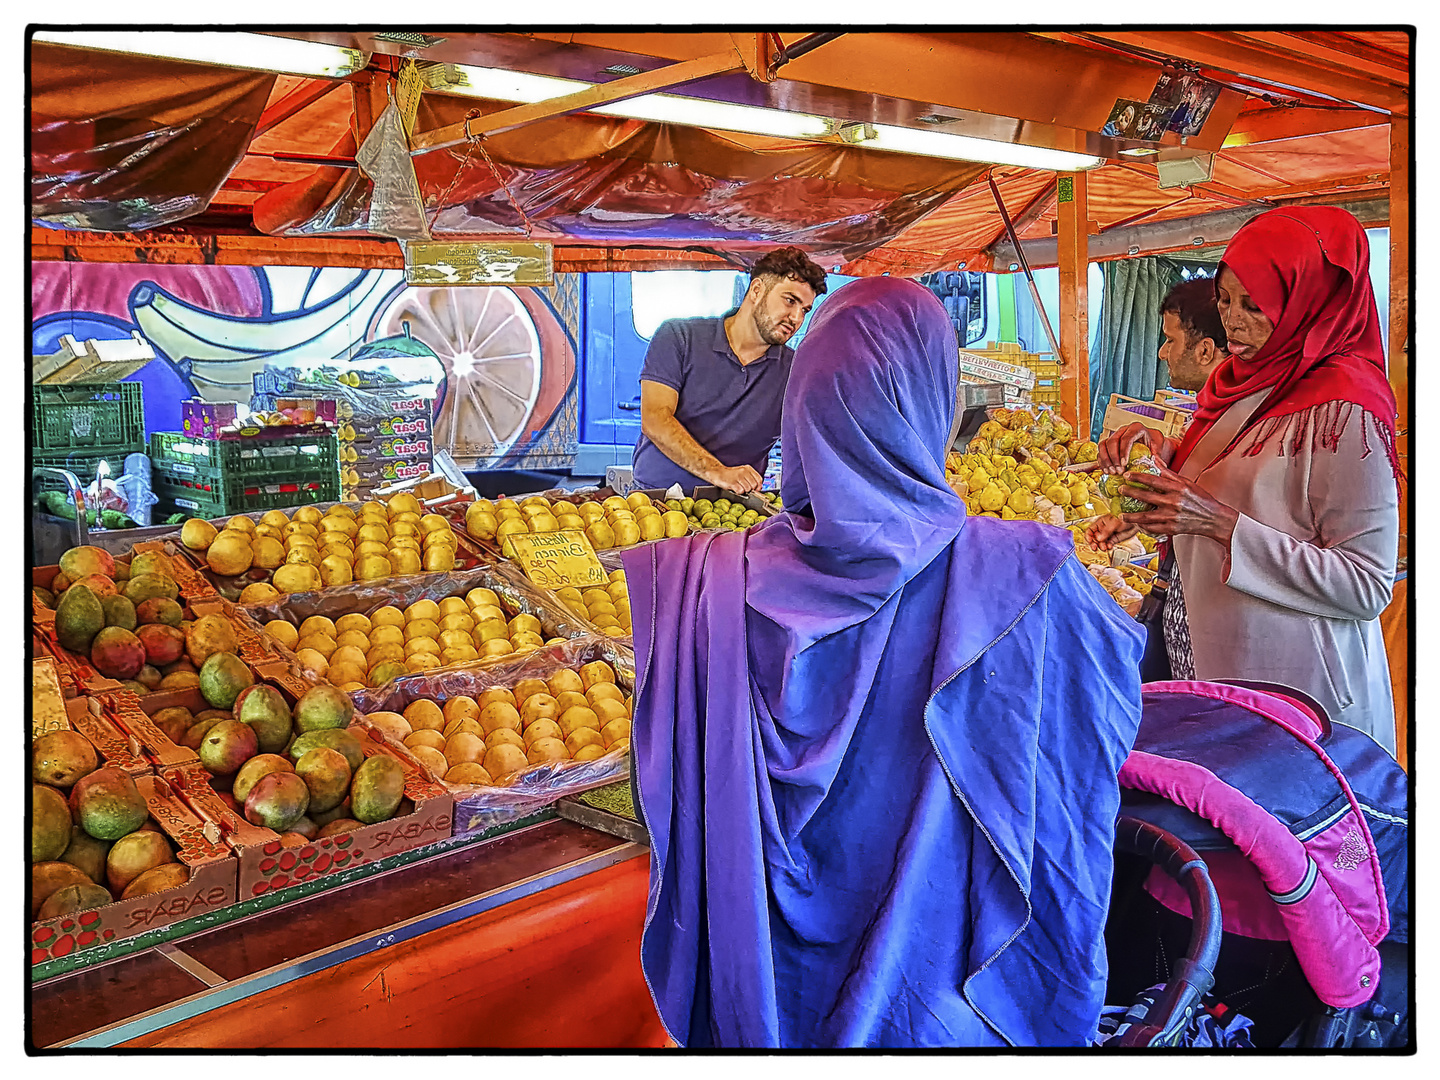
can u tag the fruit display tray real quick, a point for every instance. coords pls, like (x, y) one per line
(469, 553)
(267, 865)
(479, 807)
(517, 596)
(213, 875)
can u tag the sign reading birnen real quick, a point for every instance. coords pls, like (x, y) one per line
(555, 560)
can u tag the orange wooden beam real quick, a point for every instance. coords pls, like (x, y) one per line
(1277, 124)
(297, 101)
(1330, 50)
(1074, 264)
(1400, 211)
(1224, 52)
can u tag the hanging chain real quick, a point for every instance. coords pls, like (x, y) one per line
(475, 142)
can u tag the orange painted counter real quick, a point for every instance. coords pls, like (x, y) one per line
(550, 957)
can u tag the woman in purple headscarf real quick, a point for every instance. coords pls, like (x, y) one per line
(875, 740)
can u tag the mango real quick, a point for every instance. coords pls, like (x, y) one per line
(169, 875)
(277, 801)
(108, 805)
(151, 562)
(71, 899)
(133, 855)
(48, 878)
(117, 653)
(45, 596)
(149, 677)
(336, 739)
(49, 824)
(222, 677)
(326, 773)
(341, 825)
(87, 854)
(179, 680)
(265, 710)
(149, 587)
(163, 644)
(159, 609)
(79, 562)
(321, 818)
(227, 746)
(377, 790)
(196, 732)
(60, 758)
(323, 707)
(118, 611)
(254, 770)
(208, 635)
(78, 618)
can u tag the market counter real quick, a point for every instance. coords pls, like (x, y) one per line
(531, 939)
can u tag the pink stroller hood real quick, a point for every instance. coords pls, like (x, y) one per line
(1249, 763)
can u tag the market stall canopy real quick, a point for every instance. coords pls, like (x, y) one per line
(223, 165)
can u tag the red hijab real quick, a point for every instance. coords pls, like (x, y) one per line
(1309, 270)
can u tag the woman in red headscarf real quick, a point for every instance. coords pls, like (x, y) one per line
(1282, 498)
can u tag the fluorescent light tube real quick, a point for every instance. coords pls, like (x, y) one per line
(254, 52)
(966, 148)
(517, 86)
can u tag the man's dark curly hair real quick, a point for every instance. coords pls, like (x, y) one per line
(790, 262)
(1193, 303)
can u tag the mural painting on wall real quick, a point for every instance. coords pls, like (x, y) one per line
(500, 362)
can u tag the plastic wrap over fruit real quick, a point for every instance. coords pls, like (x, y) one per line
(517, 596)
(481, 807)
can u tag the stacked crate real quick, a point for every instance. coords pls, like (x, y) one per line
(75, 426)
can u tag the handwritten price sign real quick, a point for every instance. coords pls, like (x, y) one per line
(555, 560)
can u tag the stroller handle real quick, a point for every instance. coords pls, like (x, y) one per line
(1193, 976)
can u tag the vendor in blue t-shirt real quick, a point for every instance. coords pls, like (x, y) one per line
(712, 388)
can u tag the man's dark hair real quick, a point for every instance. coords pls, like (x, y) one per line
(1193, 303)
(791, 262)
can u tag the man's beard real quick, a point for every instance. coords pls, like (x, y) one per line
(769, 329)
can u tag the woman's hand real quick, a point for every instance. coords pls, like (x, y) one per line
(1179, 506)
(1104, 533)
(1114, 455)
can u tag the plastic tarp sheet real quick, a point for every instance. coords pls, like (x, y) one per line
(600, 180)
(121, 142)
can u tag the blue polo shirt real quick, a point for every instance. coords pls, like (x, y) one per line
(729, 408)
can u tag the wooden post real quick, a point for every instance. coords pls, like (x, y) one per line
(1072, 205)
(1400, 299)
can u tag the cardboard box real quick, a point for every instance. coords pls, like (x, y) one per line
(206, 418)
(47, 703)
(267, 863)
(213, 875)
(117, 749)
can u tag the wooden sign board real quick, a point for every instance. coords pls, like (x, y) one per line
(555, 560)
(432, 262)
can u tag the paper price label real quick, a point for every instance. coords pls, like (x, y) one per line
(555, 560)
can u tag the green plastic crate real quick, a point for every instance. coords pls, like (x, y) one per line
(102, 415)
(83, 463)
(216, 478)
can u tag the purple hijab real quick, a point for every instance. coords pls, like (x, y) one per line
(875, 741)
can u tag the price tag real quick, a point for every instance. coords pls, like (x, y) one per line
(555, 560)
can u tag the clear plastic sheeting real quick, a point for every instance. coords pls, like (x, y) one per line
(478, 807)
(596, 179)
(384, 157)
(121, 143)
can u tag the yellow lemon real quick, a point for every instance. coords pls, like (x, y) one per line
(283, 632)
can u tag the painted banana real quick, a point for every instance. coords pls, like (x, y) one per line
(184, 331)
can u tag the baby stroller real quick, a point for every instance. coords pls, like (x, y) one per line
(1262, 877)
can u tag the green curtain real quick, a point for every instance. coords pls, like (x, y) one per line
(1124, 359)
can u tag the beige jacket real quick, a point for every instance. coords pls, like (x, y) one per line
(1297, 598)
